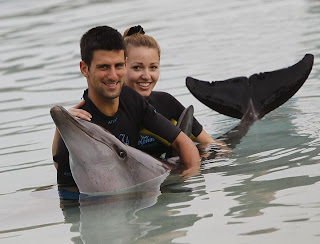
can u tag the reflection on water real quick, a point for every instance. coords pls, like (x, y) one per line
(265, 191)
(126, 218)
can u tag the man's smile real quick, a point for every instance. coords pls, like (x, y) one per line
(111, 84)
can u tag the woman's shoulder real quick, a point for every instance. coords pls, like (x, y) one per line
(162, 96)
(166, 104)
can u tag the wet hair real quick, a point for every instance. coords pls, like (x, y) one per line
(135, 36)
(100, 38)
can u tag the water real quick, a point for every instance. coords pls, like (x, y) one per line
(265, 192)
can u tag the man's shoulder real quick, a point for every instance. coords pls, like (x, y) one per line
(131, 100)
(129, 95)
(126, 90)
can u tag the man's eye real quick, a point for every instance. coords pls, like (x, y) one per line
(119, 65)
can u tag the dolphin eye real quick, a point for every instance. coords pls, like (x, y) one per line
(122, 153)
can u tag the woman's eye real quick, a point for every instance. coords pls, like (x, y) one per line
(136, 67)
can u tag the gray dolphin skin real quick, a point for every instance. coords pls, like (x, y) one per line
(102, 164)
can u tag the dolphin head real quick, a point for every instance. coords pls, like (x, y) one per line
(100, 163)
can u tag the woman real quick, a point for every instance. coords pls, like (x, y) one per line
(143, 70)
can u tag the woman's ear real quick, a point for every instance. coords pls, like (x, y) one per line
(84, 69)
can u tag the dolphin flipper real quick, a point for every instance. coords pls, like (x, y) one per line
(185, 121)
(267, 90)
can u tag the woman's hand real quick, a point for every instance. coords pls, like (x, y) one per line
(76, 111)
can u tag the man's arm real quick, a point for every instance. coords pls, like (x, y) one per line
(204, 138)
(188, 153)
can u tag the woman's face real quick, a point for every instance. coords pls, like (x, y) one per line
(143, 69)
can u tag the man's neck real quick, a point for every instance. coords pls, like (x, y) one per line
(107, 106)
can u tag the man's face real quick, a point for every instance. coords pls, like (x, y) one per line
(106, 74)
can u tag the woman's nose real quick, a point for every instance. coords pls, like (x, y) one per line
(146, 74)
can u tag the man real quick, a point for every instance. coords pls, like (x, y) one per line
(118, 109)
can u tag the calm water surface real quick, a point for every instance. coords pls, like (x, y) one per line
(266, 192)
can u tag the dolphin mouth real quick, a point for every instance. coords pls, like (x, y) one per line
(141, 187)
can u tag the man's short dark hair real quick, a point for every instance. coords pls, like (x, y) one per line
(100, 38)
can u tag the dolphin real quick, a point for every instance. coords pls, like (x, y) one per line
(102, 164)
(264, 92)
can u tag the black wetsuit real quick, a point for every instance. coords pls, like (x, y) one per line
(170, 108)
(134, 111)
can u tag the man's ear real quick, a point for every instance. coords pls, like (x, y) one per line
(84, 69)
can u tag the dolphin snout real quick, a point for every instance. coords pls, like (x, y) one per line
(59, 114)
(55, 109)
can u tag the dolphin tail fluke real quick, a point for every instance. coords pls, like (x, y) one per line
(266, 91)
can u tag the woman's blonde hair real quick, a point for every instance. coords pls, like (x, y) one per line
(135, 37)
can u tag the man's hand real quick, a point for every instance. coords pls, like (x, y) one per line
(188, 153)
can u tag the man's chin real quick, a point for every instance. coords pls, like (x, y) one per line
(111, 93)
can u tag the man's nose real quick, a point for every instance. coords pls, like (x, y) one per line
(112, 74)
